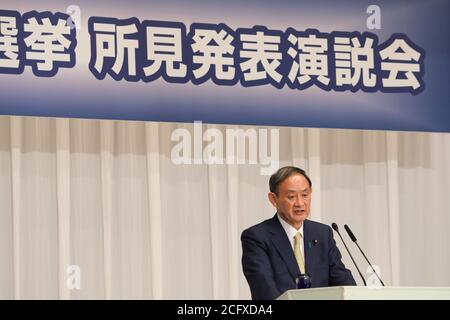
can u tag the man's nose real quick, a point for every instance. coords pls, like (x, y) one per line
(299, 201)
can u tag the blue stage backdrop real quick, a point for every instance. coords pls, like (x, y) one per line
(331, 64)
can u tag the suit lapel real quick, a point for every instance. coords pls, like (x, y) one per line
(308, 247)
(283, 246)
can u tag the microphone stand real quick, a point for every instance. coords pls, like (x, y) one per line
(336, 228)
(352, 236)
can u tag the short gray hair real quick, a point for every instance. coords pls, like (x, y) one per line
(284, 173)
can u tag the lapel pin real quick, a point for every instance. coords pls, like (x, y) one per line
(313, 243)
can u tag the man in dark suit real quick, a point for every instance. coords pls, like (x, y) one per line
(278, 250)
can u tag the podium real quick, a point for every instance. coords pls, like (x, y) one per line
(368, 293)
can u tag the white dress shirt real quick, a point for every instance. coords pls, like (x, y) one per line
(291, 232)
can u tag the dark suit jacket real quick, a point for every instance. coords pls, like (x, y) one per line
(269, 263)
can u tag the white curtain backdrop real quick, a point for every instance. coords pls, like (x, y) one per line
(105, 196)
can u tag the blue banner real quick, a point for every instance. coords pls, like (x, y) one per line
(329, 64)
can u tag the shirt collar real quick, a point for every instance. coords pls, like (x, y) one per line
(290, 230)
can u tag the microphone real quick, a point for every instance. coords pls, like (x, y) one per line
(352, 236)
(336, 228)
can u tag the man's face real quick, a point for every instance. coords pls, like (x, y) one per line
(294, 200)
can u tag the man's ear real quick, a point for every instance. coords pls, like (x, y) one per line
(272, 198)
